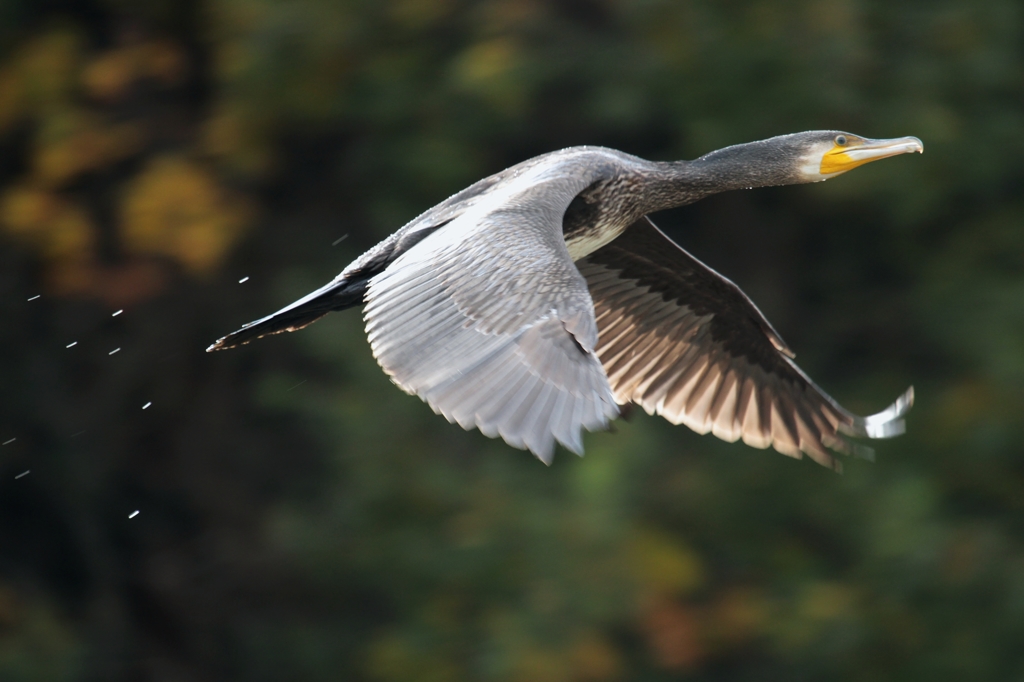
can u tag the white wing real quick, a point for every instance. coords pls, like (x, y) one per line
(489, 321)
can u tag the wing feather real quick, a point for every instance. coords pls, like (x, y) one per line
(488, 320)
(684, 342)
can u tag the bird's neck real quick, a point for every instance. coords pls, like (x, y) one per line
(745, 166)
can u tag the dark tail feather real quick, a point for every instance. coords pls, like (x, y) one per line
(307, 310)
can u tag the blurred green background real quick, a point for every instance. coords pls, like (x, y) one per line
(302, 519)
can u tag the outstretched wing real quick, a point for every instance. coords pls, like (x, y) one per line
(684, 342)
(489, 321)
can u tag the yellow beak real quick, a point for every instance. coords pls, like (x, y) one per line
(840, 159)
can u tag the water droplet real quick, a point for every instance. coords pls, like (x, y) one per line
(73, 343)
(24, 473)
(244, 279)
(133, 514)
(146, 405)
(35, 297)
(8, 442)
(339, 240)
(113, 351)
(117, 313)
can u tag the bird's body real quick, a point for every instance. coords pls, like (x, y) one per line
(539, 299)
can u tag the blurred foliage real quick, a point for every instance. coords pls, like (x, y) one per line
(302, 519)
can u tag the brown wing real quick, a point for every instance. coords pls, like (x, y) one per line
(684, 342)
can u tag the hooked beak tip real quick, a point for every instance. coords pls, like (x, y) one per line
(873, 150)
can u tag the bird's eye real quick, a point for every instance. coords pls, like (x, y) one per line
(841, 140)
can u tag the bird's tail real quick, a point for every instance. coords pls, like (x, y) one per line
(338, 295)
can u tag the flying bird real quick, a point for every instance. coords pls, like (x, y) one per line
(539, 300)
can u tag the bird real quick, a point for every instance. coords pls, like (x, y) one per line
(542, 300)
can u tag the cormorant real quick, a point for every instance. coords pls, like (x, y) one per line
(540, 299)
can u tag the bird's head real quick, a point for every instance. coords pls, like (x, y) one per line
(828, 153)
(794, 159)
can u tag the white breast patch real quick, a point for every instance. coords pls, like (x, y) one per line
(581, 246)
